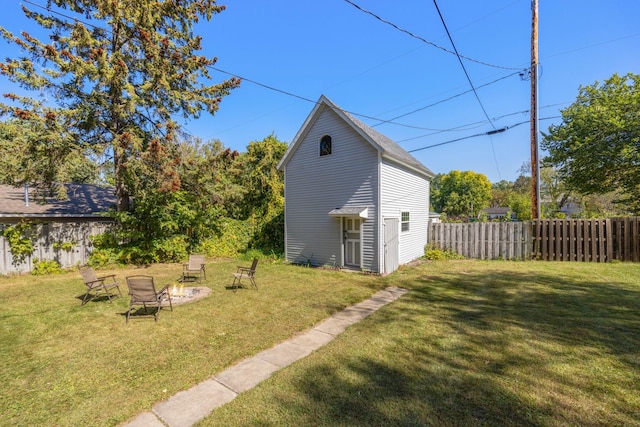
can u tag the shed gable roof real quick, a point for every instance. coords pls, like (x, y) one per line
(385, 145)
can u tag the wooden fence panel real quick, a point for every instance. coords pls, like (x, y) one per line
(573, 240)
(483, 240)
(581, 240)
(47, 238)
(626, 245)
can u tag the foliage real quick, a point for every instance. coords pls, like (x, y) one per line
(602, 206)
(120, 72)
(65, 246)
(520, 205)
(460, 194)
(233, 239)
(19, 240)
(228, 203)
(44, 267)
(263, 203)
(433, 253)
(596, 149)
(38, 150)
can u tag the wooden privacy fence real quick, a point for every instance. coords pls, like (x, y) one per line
(583, 240)
(572, 240)
(484, 240)
(48, 237)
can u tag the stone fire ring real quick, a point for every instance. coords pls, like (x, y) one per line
(194, 293)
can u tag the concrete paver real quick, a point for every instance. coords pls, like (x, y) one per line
(189, 406)
(284, 354)
(186, 408)
(246, 374)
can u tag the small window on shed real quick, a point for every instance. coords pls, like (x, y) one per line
(325, 145)
(404, 221)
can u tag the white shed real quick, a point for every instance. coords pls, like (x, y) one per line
(353, 197)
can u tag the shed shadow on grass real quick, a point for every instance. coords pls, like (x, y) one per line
(482, 349)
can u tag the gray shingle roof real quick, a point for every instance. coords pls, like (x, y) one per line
(390, 147)
(84, 200)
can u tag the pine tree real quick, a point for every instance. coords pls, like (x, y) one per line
(120, 71)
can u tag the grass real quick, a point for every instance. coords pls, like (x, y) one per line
(472, 343)
(64, 364)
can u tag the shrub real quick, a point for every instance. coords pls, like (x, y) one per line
(436, 254)
(19, 241)
(46, 266)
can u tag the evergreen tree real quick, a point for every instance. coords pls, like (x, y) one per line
(119, 71)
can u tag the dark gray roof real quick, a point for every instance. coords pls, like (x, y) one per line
(83, 200)
(389, 146)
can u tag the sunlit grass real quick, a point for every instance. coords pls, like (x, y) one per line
(65, 364)
(473, 343)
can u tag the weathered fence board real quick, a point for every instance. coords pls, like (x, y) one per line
(483, 240)
(577, 240)
(47, 238)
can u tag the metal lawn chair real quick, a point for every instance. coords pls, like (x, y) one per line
(194, 268)
(97, 285)
(143, 292)
(245, 273)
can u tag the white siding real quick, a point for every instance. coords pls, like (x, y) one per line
(404, 191)
(315, 185)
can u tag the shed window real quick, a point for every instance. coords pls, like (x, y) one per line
(325, 145)
(404, 221)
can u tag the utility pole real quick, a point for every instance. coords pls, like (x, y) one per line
(535, 167)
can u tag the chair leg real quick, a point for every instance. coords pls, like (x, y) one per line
(253, 282)
(85, 299)
(106, 291)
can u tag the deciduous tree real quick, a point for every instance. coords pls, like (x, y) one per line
(596, 149)
(460, 194)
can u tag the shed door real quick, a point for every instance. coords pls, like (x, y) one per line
(391, 245)
(351, 230)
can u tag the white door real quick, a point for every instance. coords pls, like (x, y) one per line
(391, 245)
(351, 236)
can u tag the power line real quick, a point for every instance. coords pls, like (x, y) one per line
(291, 94)
(444, 24)
(479, 134)
(424, 40)
(284, 92)
(442, 100)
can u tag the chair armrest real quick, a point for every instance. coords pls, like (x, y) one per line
(112, 276)
(164, 293)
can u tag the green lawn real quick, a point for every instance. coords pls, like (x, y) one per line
(494, 343)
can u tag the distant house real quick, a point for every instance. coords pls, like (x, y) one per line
(498, 213)
(73, 220)
(353, 197)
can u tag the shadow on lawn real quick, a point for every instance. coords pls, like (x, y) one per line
(455, 362)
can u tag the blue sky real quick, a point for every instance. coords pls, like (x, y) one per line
(376, 71)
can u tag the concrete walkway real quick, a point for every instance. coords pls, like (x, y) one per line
(190, 406)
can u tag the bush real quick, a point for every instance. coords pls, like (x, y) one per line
(436, 254)
(46, 266)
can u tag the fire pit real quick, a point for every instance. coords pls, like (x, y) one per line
(185, 294)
